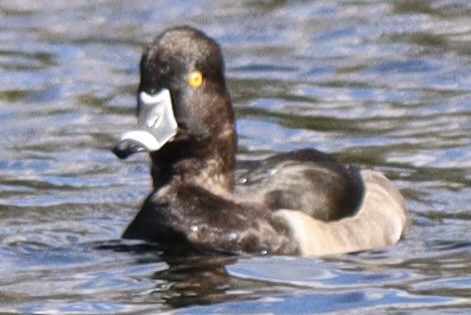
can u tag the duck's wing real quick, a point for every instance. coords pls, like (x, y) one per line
(380, 221)
(305, 180)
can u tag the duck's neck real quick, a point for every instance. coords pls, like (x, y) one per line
(208, 164)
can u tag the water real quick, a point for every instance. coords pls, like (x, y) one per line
(380, 84)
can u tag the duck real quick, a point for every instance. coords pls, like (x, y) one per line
(302, 202)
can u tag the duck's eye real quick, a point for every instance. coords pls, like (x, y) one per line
(195, 78)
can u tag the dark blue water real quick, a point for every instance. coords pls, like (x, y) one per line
(384, 85)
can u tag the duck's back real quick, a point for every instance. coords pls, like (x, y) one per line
(305, 180)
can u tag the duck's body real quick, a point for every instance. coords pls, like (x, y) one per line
(301, 202)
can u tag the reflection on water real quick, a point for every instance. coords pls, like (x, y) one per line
(382, 85)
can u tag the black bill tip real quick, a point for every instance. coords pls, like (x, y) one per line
(126, 148)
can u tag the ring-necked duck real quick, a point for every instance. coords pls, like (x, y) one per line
(301, 202)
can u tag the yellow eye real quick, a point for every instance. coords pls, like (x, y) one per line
(195, 78)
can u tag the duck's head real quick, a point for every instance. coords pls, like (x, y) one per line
(185, 117)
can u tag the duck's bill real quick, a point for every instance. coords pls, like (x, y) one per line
(156, 125)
